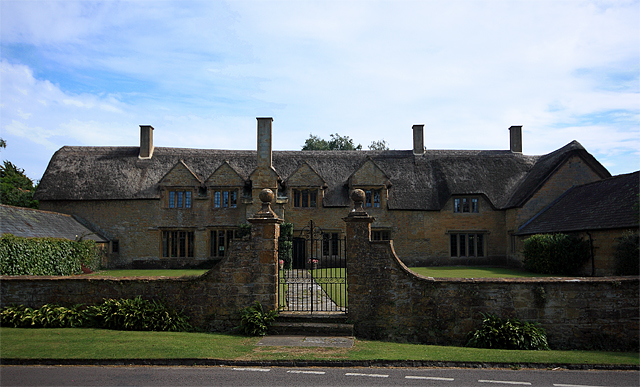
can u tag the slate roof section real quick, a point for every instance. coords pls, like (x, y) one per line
(419, 182)
(32, 223)
(601, 205)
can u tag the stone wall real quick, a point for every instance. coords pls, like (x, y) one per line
(388, 301)
(249, 273)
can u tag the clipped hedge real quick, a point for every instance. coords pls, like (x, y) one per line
(627, 253)
(46, 256)
(555, 253)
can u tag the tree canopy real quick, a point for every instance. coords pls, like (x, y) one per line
(337, 142)
(16, 189)
(379, 145)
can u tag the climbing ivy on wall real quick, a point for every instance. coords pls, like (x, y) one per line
(46, 256)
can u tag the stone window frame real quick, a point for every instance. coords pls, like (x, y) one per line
(331, 240)
(233, 198)
(171, 240)
(380, 234)
(229, 233)
(463, 240)
(178, 198)
(466, 204)
(298, 197)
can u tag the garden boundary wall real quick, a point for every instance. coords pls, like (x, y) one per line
(388, 301)
(213, 301)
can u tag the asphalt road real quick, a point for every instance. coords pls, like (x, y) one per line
(249, 376)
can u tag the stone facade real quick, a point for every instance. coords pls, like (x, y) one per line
(138, 196)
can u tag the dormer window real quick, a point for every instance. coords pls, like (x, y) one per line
(305, 198)
(179, 199)
(372, 198)
(225, 198)
(469, 204)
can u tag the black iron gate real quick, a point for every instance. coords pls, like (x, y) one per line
(315, 279)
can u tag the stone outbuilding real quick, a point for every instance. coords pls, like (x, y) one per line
(600, 212)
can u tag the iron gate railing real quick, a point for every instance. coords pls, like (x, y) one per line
(315, 280)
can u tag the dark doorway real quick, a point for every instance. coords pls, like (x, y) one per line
(299, 253)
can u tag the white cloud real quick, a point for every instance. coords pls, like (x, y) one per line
(200, 72)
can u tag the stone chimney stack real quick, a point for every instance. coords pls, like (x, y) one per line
(418, 139)
(264, 142)
(146, 141)
(516, 139)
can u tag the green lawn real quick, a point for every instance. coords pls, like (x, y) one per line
(149, 273)
(474, 272)
(23, 343)
(334, 282)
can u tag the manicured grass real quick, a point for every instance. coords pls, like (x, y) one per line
(149, 273)
(334, 282)
(474, 272)
(25, 343)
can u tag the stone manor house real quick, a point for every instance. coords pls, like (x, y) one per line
(174, 207)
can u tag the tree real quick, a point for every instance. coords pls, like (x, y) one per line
(337, 142)
(379, 145)
(16, 189)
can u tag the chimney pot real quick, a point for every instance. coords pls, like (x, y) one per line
(264, 141)
(146, 141)
(516, 139)
(418, 139)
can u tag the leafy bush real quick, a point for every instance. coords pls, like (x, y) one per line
(48, 316)
(498, 333)
(137, 314)
(46, 256)
(555, 253)
(124, 314)
(255, 321)
(285, 244)
(627, 253)
(244, 229)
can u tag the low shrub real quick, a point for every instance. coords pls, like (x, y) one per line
(48, 316)
(555, 253)
(137, 314)
(124, 314)
(627, 253)
(254, 321)
(498, 333)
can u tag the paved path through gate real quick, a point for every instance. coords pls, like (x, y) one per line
(305, 294)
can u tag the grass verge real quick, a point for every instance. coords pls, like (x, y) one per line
(474, 272)
(24, 343)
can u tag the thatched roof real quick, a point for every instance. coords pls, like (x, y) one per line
(418, 182)
(31, 223)
(601, 205)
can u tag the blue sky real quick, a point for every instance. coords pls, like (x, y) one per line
(89, 73)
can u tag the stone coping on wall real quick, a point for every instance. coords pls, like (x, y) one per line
(85, 277)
